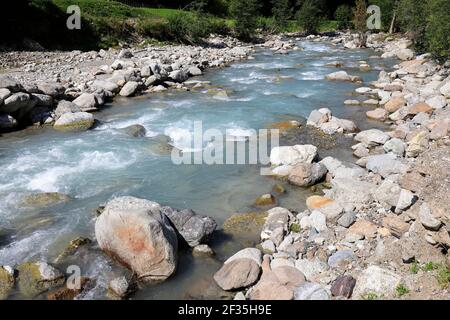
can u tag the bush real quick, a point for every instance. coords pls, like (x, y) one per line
(343, 15)
(281, 12)
(245, 12)
(412, 19)
(267, 24)
(437, 32)
(186, 27)
(309, 17)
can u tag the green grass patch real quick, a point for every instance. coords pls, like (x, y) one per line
(295, 227)
(401, 290)
(370, 296)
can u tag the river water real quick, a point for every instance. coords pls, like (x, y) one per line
(99, 164)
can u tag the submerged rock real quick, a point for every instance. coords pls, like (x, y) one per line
(7, 281)
(135, 130)
(44, 199)
(265, 200)
(38, 277)
(136, 233)
(78, 121)
(121, 287)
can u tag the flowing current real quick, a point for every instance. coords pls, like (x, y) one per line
(95, 166)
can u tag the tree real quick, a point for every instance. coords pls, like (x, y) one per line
(245, 12)
(412, 17)
(343, 15)
(360, 21)
(437, 34)
(309, 16)
(281, 12)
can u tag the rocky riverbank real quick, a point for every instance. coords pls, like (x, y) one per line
(63, 89)
(381, 231)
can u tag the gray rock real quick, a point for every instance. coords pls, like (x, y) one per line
(38, 277)
(7, 122)
(65, 106)
(78, 121)
(347, 219)
(136, 233)
(277, 218)
(125, 53)
(291, 155)
(385, 164)
(53, 89)
(135, 130)
(427, 219)
(129, 89)
(178, 76)
(87, 102)
(10, 83)
(191, 227)
(372, 137)
(202, 250)
(152, 80)
(17, 102)
(311, 269)
(316, 220)
(341, 258)
(311, 291)
(396, 146)
(42, 99)
(194, 71)
(268, 246)
(121, 287)
(4, 93)
(7, 281)
(106, 85)
(376, 280)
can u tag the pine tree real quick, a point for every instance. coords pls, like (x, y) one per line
(309, 16)
(245, 12)
(281, 12)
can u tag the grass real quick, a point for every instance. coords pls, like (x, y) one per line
(401, 290)
(295, 227)
(443, 275)
(415, 267)
(370, 296)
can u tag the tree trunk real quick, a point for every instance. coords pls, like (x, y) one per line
(391, 28)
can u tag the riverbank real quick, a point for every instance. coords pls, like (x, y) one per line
(381, 230)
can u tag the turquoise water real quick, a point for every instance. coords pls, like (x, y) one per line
(99, 164)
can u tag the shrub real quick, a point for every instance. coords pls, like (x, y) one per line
(186, 27)
(412, 19)
(281, 12)
(309, 17)
(245, 12)
(343, 15)
(437, 32)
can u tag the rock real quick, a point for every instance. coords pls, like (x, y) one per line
(444, 90)
(38, 277)
(73, 246)
(244, 223)
(311, 269)
(436, 102)
(343, 286)
(78, 121)
(7, 281)
(268, 246)
(4, 93)
(106, 85)
(87, 102)
(44, 199)
(307, 174)
(396, 226)
(377, 114)
(393, 87)
(318, 117)
(193, 228)
(405, 200)
(387, 194)
(277, 218)
(404, 54)
(135, 130)
(372, 137)
(66, 107)
(65, 293)
(125, 53)
(417, 144)
(288, 276)
(7, 122)
(17, 102)
(420, 107)
(53, 89)
(129, 89)
(341, 259)
(121, 288)
(10, 83)
(178, 76)
(439, 129)
(342, 76)
(316, 202)
(413, 181)
(427, 219)
(395, 104)
(376, 280)
(351, 102)
(42, 99)
(311, 291)
(385, 164)
(202, 250)
(364, 228)
(347, 219)
(194, 71)
(396, 146)
(137, 234)
(240, 271)
(265, 200)
(291, 155)
(316, 220)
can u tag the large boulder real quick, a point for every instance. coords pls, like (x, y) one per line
(192, 228)
(129, 89)
(178, 76)
(19, 101)
(7, 280)
(106, 85)
(291, 155)
(65, 106)
(342, 76)
(311, 291)
(240, 270)
(137, 234)
(385, 164)
(78, 121)
(7, 122)
(378, 281)
(372, 137)
(307, 174)
(87, 102)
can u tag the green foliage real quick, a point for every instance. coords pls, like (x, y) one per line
(294, 227)
(443, 275)
(360, 16)
(437, 32)
(401, 290)
(282, 12)
(245, 13)
(370, 296)
(412, 19)
(309, 16)
(415, 267)
(343, 15)
(430, 266)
